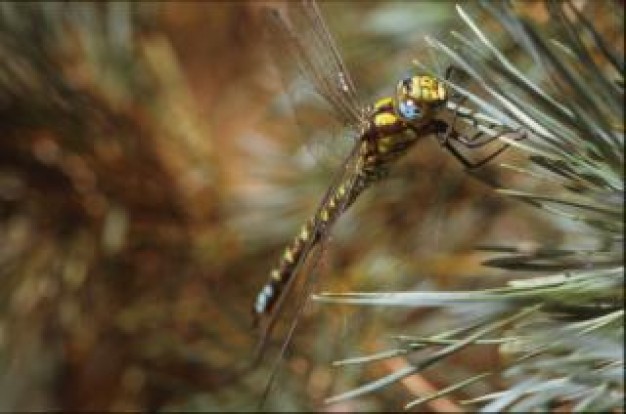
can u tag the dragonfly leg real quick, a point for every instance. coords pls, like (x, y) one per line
(446, 134)
(450, 71)
(446, 130)
(448, 76)
(469, 144)
(474, 165)
(459, 157)
(474, 141)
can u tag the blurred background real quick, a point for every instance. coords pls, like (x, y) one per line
(152, 172)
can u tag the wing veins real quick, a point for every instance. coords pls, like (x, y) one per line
(315, 52)
(348, 174)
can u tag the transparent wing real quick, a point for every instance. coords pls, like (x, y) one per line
(299, 287)
(298, 290)
(300, 34)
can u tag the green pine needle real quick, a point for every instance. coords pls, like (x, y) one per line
(561, 86)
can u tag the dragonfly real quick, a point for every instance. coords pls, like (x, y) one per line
(384, 132)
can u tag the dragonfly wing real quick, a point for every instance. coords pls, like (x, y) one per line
(323, 46)
(347, 178)
(302, 36)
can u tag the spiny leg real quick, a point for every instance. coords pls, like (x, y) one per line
(445, 133)
(457, 98)
(448, 76)
(475, 142)
(468, 142)
(470, 165)
(458, 101)
(472, 145)
(473, 165)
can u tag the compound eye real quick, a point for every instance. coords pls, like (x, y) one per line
(409, 109)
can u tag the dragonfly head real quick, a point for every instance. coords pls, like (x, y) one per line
(417, 96)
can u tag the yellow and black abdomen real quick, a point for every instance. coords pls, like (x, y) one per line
(294, 255)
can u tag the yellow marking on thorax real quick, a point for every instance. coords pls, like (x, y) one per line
(385, 119)
(383, 102)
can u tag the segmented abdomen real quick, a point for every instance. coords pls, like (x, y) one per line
(310, 234)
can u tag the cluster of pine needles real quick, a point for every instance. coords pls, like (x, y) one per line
(558, 319)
